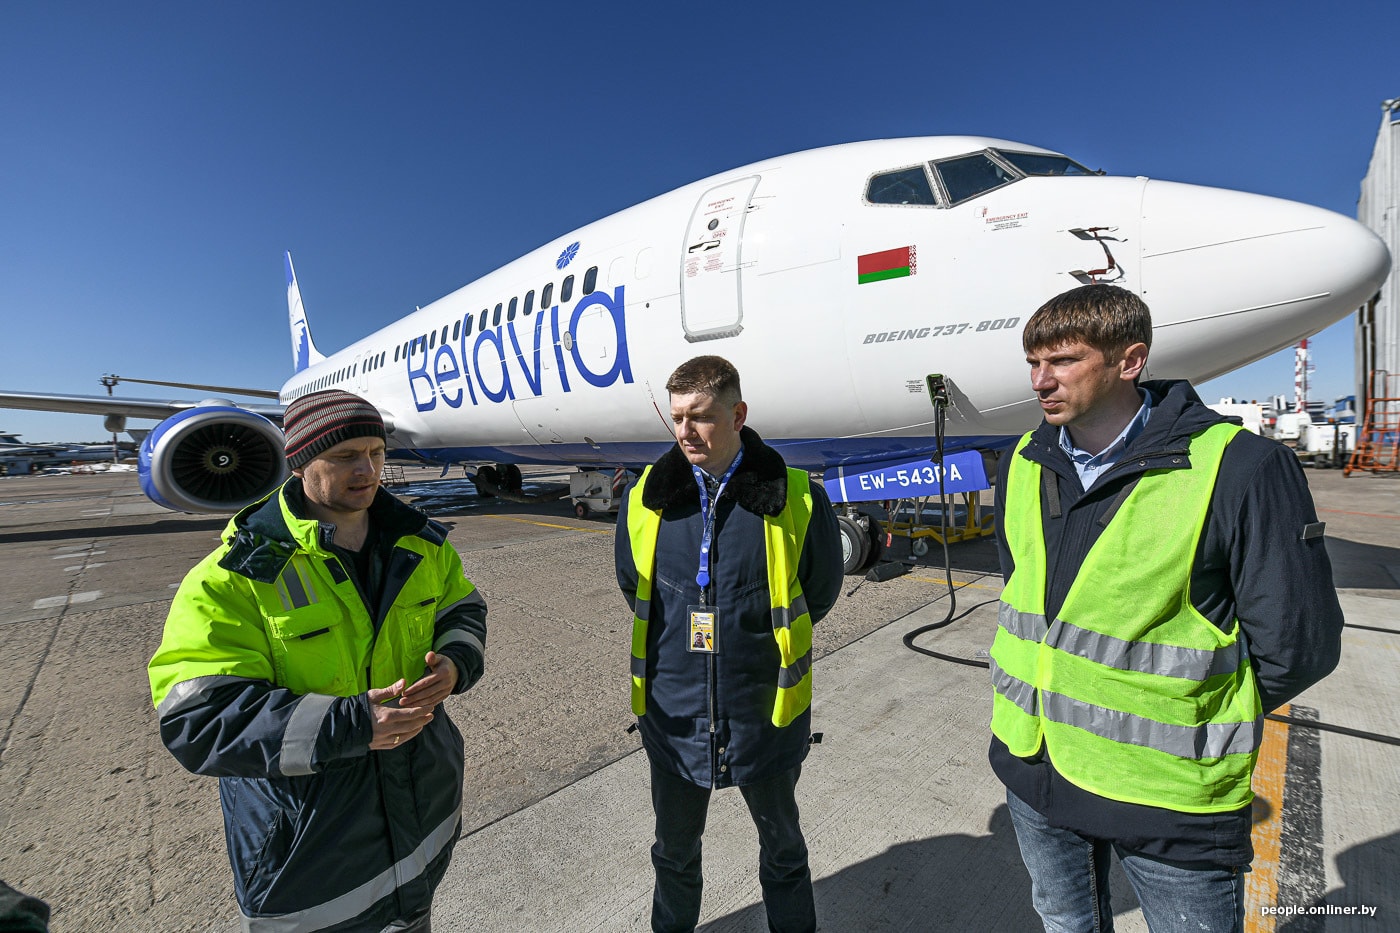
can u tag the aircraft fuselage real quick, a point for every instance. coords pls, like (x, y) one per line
(836, 304)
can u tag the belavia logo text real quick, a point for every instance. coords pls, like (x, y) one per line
(888, 264)
(510, 361)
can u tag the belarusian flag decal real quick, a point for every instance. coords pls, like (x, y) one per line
(887, 264)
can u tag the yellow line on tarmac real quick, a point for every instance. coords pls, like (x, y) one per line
(526, 521)
(1270, 772)
(960, 586)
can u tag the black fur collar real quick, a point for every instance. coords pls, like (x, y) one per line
(759, 485)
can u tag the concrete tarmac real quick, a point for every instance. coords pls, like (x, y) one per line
(906, 825)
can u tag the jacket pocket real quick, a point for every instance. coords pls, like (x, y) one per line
(309, 653)
(418, 622)
(260, 823)
(271, 857)
(403, 640)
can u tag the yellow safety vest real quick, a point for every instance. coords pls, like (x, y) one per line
(1134, 694)
(792, 624)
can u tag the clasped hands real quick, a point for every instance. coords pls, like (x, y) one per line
(402, 711)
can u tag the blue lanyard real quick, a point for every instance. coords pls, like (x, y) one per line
(702, 577)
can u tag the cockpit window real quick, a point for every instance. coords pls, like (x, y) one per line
(1035, 163)
(906, 186)
(966, 177)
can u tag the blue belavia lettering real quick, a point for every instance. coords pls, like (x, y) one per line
(506, 362)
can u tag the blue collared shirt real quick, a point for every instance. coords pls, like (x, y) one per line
(1091, 466)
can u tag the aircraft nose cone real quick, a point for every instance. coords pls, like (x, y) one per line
(1231, 277)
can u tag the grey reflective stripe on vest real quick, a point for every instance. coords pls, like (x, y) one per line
(457, 636)
(299, 738)
(1028, 626)
(784, 615)
(1144, 657)
(353, 903)
(1013, 689)
(195, 691)
(1211, 740)
(639, 667)
(791, 676)
(643, 609)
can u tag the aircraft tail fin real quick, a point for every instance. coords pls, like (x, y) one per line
(304, 352)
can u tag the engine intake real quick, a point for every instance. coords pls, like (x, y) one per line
(212, 459)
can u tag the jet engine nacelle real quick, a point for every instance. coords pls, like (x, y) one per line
(212, 459)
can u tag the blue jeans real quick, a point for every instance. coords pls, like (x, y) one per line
(681, 808)
(1069, 882)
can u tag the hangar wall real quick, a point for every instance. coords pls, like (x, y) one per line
(1378, 321)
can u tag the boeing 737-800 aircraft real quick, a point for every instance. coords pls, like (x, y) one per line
(837, 280)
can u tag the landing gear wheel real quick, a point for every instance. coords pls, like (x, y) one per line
(876, 539)
(581, 509)
(855, 544)
(511, 478)
(491, 479)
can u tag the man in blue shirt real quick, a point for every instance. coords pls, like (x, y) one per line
(1124, 608)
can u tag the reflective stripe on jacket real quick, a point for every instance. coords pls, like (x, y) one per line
(1134, 695)
(784, 535)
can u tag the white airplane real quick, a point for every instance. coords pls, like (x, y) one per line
(837, 280)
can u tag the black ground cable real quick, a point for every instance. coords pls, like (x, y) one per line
(1340, 730)
(940, 404)
(1371, 628)
(947, 620)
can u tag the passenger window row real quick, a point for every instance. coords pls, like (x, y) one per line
(488, 317)
(330, 379)
(492, 317)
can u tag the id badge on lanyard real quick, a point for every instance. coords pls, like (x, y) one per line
(704, 618)
(702, 629)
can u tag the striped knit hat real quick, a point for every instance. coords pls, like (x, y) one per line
(313, 424)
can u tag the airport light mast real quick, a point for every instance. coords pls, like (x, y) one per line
(110, 381)
(1302, 366)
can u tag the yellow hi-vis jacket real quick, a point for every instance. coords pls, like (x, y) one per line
(1134, 694)
(784, 535)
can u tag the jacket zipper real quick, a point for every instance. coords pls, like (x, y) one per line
(714, 758)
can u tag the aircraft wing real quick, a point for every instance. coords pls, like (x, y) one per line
(115, 405)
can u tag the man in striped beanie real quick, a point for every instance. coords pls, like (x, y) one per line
(304, 663)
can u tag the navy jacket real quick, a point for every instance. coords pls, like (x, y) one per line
(709, 717)
(1252, 564)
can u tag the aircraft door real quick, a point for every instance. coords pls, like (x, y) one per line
(712, 262)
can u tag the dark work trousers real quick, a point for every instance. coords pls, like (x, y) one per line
(681, 808)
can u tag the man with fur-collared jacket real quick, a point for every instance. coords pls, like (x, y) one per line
(727, 557)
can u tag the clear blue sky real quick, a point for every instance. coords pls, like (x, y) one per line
(157, 158)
